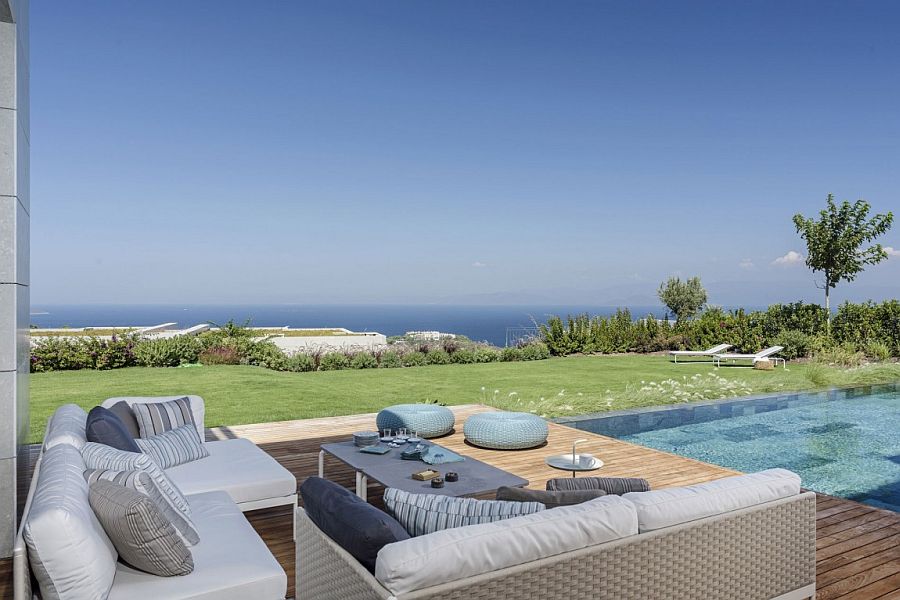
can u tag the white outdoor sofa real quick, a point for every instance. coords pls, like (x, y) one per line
(748, 537)
(767, 354)
(231, 561)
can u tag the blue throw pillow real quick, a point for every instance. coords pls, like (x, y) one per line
(353, 524)
(105, 427)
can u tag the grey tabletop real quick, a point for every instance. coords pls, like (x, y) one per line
(475, 477)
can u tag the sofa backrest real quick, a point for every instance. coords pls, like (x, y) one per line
(459, 553)
(667, 507)
(60, 540)
(66, 426)
(198, 409)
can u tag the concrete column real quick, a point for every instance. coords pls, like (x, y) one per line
(15, 209)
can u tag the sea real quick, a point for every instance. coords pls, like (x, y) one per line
(498, 325)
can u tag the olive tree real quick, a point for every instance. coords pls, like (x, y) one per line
(836, 242)
(683, 298)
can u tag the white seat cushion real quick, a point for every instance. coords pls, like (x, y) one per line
(238, 467)
(66, 426)
(664, 508)
(231, 562)
(453, 554)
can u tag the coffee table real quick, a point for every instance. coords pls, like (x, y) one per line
(475, 477)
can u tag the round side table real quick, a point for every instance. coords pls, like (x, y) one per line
(564, 462)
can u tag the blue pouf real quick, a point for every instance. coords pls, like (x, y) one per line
(506, 430)
(426, 420)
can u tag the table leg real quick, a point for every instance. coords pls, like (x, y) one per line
(321, 463)
(362, 483)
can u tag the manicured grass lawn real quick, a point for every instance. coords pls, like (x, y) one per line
(572, 385)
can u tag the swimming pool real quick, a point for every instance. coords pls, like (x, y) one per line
(843, 442)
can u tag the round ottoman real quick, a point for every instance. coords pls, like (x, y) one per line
(426, 420)
(505, 430)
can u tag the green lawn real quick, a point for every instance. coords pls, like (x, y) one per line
(559, 386)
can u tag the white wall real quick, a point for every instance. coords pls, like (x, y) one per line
(14, 257)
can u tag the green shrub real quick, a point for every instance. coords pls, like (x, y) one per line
(413, 359)
(390, 360)
(222, 355)
(844, 355)
(333, 361)
(300, 363)
(437, 357)
(167, 352)
(535, 351)
(363, 360)
(486, 355)
(267, 355)
(462, 357)
(878, 351)
(796, 343)
(511, 354)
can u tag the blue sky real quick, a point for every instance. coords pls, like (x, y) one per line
(349, 152)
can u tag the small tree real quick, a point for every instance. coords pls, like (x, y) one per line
(834, 242)
(683, 298)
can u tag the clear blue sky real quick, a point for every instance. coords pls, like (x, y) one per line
(465, 151)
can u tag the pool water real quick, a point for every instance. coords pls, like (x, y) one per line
(842, 442)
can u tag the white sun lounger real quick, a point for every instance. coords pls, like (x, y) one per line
(710, 352)
(766, 354)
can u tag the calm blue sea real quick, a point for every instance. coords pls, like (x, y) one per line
(482, 323)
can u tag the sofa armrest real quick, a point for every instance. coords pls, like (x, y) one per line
(198, 408)
(610, 485)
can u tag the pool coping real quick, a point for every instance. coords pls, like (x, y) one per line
(680, 405)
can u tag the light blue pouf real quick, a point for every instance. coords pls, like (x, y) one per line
(506, 430)
(425, 420)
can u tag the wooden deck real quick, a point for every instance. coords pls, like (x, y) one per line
(858, 546)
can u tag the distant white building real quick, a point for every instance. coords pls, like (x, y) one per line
(430, 336)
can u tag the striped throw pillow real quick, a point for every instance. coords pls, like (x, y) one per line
(101, 456)
(421, 514)
(141, 482)
(174, 447)
(139, 531)
(157, 417)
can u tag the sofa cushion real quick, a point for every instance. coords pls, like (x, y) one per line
(353, 524)
(664, 508)
(141, 534)
(105, 427)
(70, 554)
(231, 562)
(99, 456)
(143, 483)
(158, 417)
(66, 426)
(550, 499)
(198, 409)
(124, 412)
(610, 485)
(174, 447)
(463, 552)
(238, 467)
(426, 513)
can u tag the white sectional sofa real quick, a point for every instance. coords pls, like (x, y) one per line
(231, 561)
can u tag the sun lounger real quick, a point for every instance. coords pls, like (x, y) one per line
(710, 352)
(766, 354)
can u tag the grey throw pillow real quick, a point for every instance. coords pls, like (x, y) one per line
(126, 415)
(174, 447)
(610, 485)
(548, 499)
(143, 483)
(142, 536)
(157, 417)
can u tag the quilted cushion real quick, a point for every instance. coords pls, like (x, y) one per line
(426, 513)
(99, 456)
(105, 427)
(174, 447)
(157, 417)
(141, 482)
(353, 524)
(140, 533)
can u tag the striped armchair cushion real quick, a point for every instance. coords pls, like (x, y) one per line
(610, 485)
(100, 456)
(174, 447)
(141, 482)
(157, 417)
(426, 513)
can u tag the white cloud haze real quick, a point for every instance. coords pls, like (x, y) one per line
(746, 264)
(791, 258)
(891, 251)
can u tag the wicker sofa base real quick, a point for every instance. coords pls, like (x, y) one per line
(763, 553)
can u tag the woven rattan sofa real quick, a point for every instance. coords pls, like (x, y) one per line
(763, 552)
